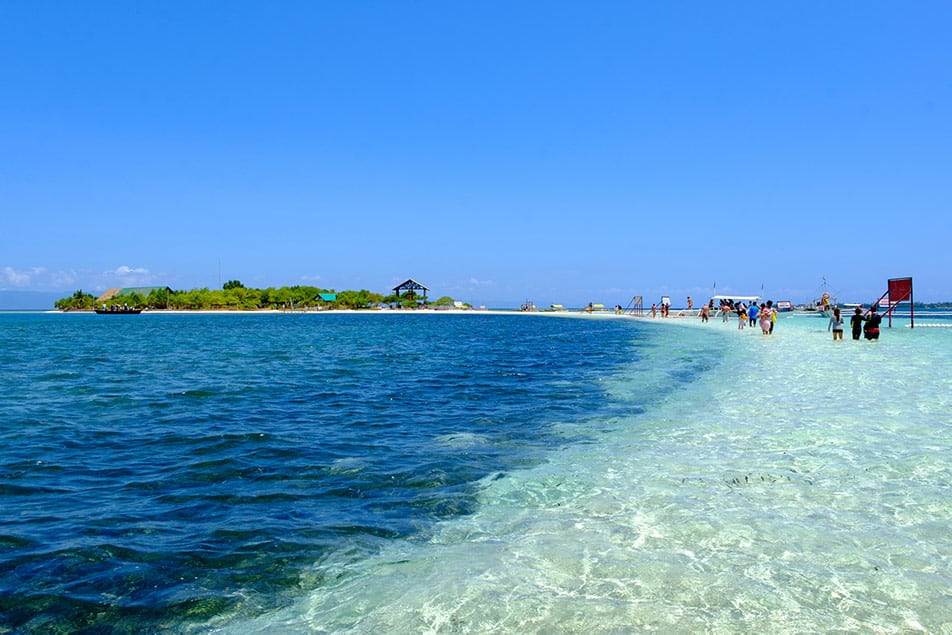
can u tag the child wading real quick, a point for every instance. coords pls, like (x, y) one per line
(741, 317)
(836, 325)
(856, 322)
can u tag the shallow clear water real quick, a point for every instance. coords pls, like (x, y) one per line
(167, 471)
(799, 485)
(474, 474)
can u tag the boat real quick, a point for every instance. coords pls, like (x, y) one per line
(784, 306)
(118, 310)
(826, 302)
(825, 305)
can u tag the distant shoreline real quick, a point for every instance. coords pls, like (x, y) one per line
(577, 313)
(563, 314)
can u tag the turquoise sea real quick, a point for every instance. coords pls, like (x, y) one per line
(471, 473)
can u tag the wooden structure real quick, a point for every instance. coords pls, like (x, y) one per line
(410, 288)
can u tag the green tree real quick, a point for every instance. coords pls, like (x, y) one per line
(79, 301)
(158, 299)
(246, 298)
(358, 299)
(281, 296)
(237, 296)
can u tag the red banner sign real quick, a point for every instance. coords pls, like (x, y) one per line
(900, 289)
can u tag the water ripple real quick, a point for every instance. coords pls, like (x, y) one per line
(177, 470)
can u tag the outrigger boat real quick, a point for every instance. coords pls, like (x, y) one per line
(825, 303)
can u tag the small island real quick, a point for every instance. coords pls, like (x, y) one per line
(234, 296)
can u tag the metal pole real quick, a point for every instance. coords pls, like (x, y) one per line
(912, 308)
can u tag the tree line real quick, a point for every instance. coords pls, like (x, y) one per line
(234, 295)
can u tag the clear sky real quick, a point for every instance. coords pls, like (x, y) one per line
(497, 151)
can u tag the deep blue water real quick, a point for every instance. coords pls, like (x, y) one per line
(157, 471)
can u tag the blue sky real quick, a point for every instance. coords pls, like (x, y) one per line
(564, 152)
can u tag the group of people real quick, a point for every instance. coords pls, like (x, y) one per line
(665, 309)
(765, 314)
(867, 325)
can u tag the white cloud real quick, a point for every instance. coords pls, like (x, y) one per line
(16, 277)
(313, 278)
(480, 283)
(125, 270)
(126, 276)
(45, 279)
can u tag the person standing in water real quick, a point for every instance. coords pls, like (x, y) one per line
(872, 325)
(764, 319)
(752, 313)
(773, 315)
(856, 322)
(741, 317)
(836, 325)
(690, 303)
